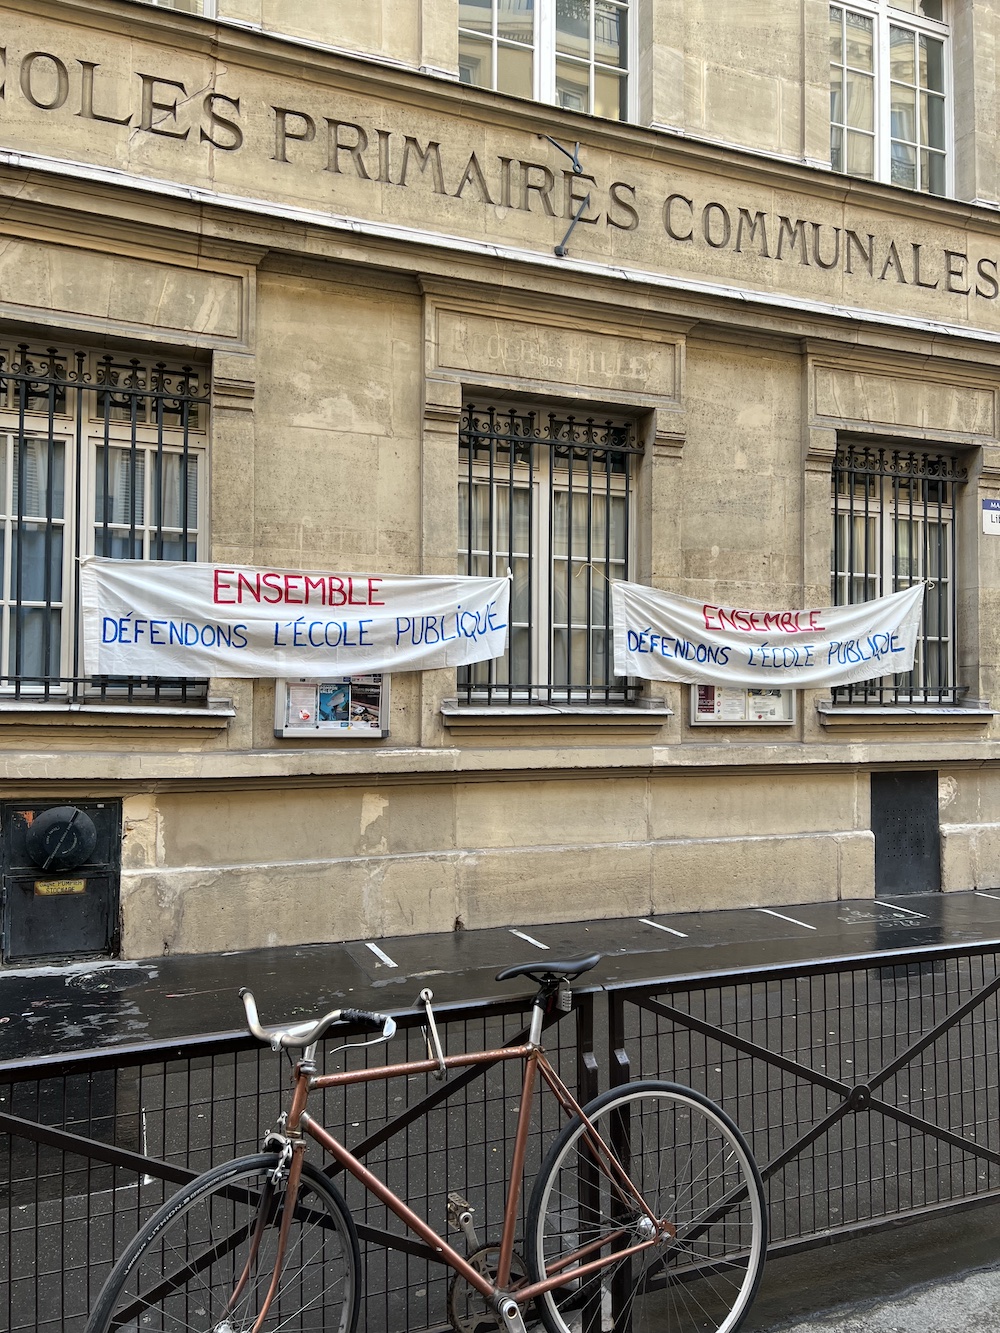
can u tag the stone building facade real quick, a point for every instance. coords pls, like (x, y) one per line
(707, 296)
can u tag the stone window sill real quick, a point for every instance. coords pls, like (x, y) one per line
(927, 715)
(55, 713)
(648, 716)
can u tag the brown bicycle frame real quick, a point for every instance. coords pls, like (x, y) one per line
(535, 1063)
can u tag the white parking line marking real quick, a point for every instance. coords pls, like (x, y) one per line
(530, 938)
(794, 920)
(980, 893)
(379, 953)
(669, 929)
(908, 910)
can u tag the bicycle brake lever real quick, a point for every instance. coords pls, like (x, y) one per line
(434, 1050)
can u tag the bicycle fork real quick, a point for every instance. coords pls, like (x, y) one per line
(285, 1177)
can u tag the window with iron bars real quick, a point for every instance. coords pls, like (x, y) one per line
(547, 496)
(99, 454)
(893, 526)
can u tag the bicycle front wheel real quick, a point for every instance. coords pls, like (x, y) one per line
(692, 1169)
(205, 1261)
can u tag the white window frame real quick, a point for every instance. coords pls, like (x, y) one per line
(884, 15)
(544, 55)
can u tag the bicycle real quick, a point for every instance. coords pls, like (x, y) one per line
(647, 1213)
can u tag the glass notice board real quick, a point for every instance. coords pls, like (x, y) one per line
(337, 708)
(722, 705)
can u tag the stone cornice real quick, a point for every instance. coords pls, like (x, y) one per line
(312, 63)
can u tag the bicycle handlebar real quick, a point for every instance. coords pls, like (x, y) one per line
(304, 1034)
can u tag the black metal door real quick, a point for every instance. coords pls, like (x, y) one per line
(61, 876)
(907, 833)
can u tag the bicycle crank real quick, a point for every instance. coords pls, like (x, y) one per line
(471, 1312)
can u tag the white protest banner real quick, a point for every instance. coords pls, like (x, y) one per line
(662, 637)
(171, 618)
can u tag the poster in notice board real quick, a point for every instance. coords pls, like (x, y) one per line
(339, 707)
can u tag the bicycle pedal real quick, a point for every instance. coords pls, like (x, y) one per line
(460, 1219)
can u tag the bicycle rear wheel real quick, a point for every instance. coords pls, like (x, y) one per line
(181, 1271)
(693, 1168)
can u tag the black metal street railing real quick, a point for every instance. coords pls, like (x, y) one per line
(90, 1148)
(869, 1091)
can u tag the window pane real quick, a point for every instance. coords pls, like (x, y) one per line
(903, 113)
(118, 544)
(180, 491)
(572, 86)
(516, 21)
(902, 58)
(610, 45)
(860, 36)
(932, 172)
(931, 64)
(860, 101)
(836, 35)
(904, 165)
(514, 75)
(836, 148)
(609, 94)
(123, 485)
(573, 28)
(474, 62)
(931, 120)
(931, 9)
(860, 154)
(172, 548)
(476, 15)
(35, 635)
(42, 472)
(836, 95)
(39, 547)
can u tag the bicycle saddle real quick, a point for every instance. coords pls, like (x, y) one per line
(569, 968)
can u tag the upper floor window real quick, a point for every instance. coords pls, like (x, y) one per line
(100, 454)
(889, 105)
(573, 53)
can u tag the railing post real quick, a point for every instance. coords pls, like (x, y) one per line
(619, 1069)
(587, 1068)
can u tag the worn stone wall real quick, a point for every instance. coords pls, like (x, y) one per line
(281, 215)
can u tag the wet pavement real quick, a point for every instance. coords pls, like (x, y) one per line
(936, 1276)
(49, 1012)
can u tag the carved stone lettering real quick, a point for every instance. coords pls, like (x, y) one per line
(321, 149)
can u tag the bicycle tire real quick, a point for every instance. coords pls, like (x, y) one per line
(693, 1167)
(181, 1269)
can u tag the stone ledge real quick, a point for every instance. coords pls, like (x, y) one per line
(34, 712)
(515, 719)
(881, 716)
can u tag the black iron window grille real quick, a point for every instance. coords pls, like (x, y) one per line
(893, 526)
(548, 497)
(99, 455)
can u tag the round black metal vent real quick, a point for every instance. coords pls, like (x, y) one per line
(61, 838)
